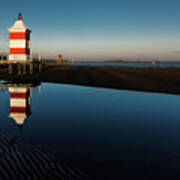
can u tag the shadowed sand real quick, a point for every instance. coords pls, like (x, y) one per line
(25, 161)
(139, 79)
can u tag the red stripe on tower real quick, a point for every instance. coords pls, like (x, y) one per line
(19, 51)
(18, 95)
(19, 36)
(18, 110)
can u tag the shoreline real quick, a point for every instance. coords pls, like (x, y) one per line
(156, 80)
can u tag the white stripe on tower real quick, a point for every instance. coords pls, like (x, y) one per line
(17, 44)
(18, 56)
(18, 102)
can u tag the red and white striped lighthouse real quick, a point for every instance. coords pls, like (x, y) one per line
(19, 41)
(19, 104)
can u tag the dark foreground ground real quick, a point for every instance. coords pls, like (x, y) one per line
(139, 79)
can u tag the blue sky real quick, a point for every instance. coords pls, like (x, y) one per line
(98, 29)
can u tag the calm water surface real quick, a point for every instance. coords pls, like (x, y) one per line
(131, 64)
(108, 134)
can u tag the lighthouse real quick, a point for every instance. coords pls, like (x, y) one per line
(19, 41)
(20, 102)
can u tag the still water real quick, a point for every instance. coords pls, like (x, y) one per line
(108, 134)
(131, 64)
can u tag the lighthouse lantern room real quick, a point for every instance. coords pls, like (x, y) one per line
(19, 41)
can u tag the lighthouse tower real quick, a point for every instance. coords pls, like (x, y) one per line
(19, 104)
(19, 41)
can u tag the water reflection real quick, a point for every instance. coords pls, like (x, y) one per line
(106, 133)
(20, 100)
(21, 160)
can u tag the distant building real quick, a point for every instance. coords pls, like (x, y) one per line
(60, 57)
(19, 41)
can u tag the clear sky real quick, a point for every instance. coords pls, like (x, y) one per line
(98, 29)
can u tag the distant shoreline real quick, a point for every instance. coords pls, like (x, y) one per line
(128, 61)
(156, 80)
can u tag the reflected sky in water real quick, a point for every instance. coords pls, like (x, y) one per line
(107, 133)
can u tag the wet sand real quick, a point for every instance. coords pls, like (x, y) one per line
(138, 79)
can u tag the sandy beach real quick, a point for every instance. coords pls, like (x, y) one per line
(138, 79)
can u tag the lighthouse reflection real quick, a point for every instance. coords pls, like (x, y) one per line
(20, 96)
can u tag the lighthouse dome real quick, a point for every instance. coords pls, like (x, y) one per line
(19, 25)
(18, 118)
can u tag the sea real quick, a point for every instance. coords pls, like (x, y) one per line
(132, 64)
(106, 134)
